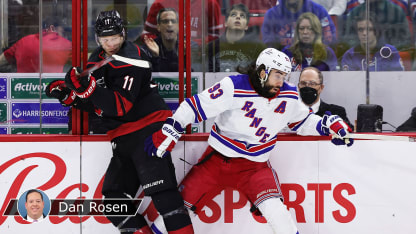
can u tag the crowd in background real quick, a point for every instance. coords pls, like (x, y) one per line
(327, 34)
(330, 36)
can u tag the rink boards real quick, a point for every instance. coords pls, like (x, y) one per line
(367, 188)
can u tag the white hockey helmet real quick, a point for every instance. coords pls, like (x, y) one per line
(274, 59)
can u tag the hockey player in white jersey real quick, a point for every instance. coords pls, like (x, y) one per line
(250, 109)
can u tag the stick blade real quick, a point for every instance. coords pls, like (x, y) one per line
(381, 137)
(135, 62)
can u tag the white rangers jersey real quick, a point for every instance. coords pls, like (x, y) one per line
(247, 123)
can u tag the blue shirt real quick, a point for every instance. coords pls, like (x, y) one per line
(280, 23)
(382, 58)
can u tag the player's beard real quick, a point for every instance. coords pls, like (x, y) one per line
(264, 91)
(267, 91)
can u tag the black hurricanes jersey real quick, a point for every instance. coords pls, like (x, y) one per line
(125, 97)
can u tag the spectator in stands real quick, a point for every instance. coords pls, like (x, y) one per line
(383, 57)
(410, 124)
(212, 24)
(234, 47)
(279, 21)
(310, 88)
(391, 19)
(56, 50)
(334, 7)
(307, 48)
(163, 50)
(212, 21)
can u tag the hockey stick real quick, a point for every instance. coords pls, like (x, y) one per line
(381, 137)
(134, 62)
(96, 66)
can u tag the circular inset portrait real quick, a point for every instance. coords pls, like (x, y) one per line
(34, 205)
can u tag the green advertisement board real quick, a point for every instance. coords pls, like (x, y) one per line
(169, 87)
(29, 88)
(3, 113)
(36, 130)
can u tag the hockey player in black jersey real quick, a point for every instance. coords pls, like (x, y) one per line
(131, 108)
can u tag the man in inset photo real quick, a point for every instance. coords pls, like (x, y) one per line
(34, 206)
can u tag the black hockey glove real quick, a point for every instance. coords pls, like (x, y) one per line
(57, 89)
(83, 86)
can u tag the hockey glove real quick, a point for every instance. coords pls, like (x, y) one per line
(162, 142)
(83, 86)
(57, 89)
(333, 124)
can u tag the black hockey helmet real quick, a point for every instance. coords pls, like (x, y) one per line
(109, 23)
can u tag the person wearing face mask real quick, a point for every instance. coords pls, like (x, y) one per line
(307, 48)
(310, 88)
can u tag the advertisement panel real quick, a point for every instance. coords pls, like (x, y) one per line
(22, 93)
(3, 113)
(37, 130)
(24, 113)
(29, 88)
(169, 86)
(366, 188)
(3, 88)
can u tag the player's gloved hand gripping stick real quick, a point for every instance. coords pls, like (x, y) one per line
(83, 83)
(162, 142)
(83, 86)
(335, 126)
(58, 89)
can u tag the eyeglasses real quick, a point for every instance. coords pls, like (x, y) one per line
(309, 84)
(166, 21)
(305, 28)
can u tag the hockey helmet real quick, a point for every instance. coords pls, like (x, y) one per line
(274, 59)
(109, 23)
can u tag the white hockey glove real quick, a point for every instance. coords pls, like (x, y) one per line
(162, 142)
(335, 126)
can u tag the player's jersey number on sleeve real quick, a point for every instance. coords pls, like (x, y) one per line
(215, 91)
